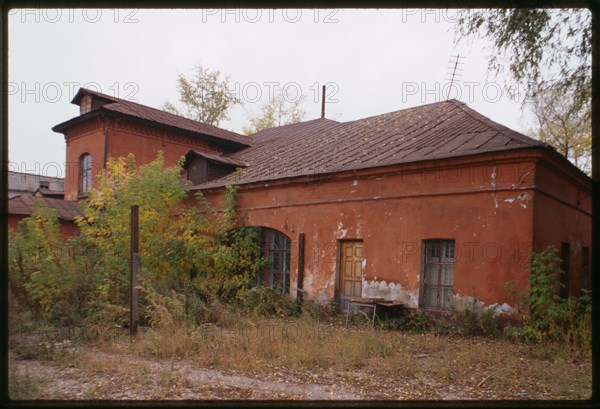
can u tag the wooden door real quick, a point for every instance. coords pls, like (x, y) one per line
(351, 271)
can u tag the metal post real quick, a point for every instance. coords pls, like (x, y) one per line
(300, 289)
(135, 268)
(323, 102)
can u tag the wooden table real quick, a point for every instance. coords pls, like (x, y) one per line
(370, 303)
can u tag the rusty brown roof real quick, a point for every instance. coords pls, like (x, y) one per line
(25, 205)
(298, 129)
(154, 116)
(433, 131)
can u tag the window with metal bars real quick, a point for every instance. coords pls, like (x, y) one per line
(438, 273)
(277, 249)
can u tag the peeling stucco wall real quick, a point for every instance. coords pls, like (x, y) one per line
(395, 292)
(461, 303)
(390, 291)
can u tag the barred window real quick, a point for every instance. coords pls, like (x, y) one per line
(277, 248)
(438, 273)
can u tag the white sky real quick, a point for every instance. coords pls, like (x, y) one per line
(374, 61)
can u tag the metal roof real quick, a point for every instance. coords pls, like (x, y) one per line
(22, 183)
(433, 131)
(298, 129)
(25, 205)
(154, 116)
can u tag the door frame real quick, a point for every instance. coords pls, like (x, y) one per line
(338, 280)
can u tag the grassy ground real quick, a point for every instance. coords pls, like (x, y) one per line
(300, 358)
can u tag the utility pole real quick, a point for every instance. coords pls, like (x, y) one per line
(135, 269)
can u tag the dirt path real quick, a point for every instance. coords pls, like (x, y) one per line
(102, 375)
(90, 373)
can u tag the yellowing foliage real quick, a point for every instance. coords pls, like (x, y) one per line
(199, 252)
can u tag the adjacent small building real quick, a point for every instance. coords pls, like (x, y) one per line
(20, 183)
(431, 205)
(22, 206)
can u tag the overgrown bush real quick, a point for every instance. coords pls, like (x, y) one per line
(226, 264)
(416, 321)
(48, 274)
(546, 316)
(200, 254)
(266, 301)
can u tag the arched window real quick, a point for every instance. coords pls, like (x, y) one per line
(277, 249)
(85, 173)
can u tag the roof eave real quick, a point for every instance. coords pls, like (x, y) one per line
(83, 92)
(63, 126)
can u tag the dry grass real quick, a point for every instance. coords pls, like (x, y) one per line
(475, 366)
(369, 363)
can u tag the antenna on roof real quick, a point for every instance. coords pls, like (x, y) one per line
(323, 102)
(455, 60)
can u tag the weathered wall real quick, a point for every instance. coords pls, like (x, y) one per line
(145, 142)
(563, 209)
(483, 203)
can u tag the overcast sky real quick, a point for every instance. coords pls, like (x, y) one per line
(373, 62)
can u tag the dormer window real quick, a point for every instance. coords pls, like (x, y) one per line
(85, 173)
(85, 105)
(201, 167)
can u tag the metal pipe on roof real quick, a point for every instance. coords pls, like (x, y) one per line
(323, 103)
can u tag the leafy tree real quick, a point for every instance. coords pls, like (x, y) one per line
(175, 241)
(562, 123)
(276, 112)
(205, 96)
(105, 224)
(549, 50)
(543, 47)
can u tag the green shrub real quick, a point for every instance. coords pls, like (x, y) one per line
(86, 280)
(552, 318)
(266, 301)
(417, 321)
(53, 277)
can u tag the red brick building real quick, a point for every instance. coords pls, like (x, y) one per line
(429, 205)
(112, 127)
